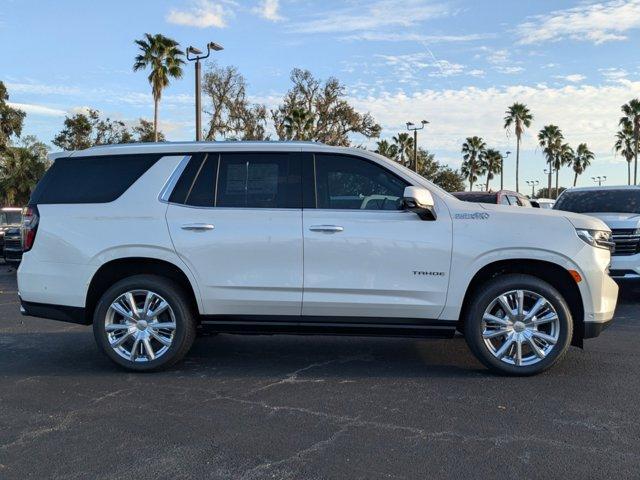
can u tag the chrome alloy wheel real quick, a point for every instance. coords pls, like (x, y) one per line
(140, 325)
(520, 327)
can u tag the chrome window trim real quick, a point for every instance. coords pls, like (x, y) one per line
(170, 184)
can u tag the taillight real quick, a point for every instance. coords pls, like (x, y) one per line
(30, 219)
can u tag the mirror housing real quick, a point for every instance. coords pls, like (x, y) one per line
(419, 201)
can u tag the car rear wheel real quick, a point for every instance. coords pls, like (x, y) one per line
(144, 323)
(518, 325)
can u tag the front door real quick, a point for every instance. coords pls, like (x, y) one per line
(363, 255)
(236, 220)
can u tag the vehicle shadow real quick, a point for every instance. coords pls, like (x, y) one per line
(629, 291)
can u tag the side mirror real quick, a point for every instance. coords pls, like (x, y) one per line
(420, 201)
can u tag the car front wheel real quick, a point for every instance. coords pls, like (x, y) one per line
(518, 325)
(144, 323)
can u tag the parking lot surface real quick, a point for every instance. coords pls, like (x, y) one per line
(304, 407)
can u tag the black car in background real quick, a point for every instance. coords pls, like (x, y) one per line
(9, 218)
(13, 246)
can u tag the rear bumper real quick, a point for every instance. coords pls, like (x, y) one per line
(62, 313)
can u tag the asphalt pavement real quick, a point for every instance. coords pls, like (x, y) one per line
(305, 407)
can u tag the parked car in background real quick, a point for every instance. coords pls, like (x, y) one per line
(545, 202)
(501, 197)
(619, 208)
(148, 242)
(13, 245)
(9, 218)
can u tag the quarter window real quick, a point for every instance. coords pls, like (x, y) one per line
(350, 183)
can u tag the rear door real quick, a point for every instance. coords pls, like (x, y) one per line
(364, 257)
(236, 221)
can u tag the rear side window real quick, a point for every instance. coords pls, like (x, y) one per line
(98, 179)
(240, 180)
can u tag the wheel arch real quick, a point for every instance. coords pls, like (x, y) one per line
(117, 269)
(552, 273)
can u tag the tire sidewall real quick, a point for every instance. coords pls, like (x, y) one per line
(172, 294)
(502, 284)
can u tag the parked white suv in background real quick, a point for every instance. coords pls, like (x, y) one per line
(619, 208)
(148, 242)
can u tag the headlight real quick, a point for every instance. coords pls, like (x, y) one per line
(596, 238)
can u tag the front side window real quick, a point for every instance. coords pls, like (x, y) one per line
(350, 183)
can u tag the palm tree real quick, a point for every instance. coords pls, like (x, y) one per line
(473, 149)
(625, 146)
(517, 115)
(581, 160)
(563, 156)
(631, 112)
(386, 149)
(491, 164)
(550, 139)
(404, 146)
(164, 58)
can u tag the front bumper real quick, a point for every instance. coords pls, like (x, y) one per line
(625, 267)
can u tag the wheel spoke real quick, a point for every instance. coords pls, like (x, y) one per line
(536, 349)
(149, 349)
(159, 309)
(552, 317)
(502, 351)
(493, 319)
(132, 304)
(536, 308)
(163, 340)
(494, 333)
(120, 310)
(518, 352)
(163, 326)
(543, 336)
(121, 340)
(504, 303)
(148, 300)
(115, 327)
(134, 350)
(520, 302)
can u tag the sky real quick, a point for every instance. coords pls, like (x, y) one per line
(456, 63)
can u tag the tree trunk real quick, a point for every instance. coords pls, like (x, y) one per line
(635, 163)
(487, 186)
(556, 192)
(575, 179)
(517, 163)
(155, 118)
(629, 172)
(549, 186)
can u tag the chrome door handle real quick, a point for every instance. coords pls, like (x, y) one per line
(197, 227)
(326, 228)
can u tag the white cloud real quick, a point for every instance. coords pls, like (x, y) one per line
(35, 88)
(373, 15)
(509, 70)
(416, 37)
(40, 110)
(614, 74)
(408, 67)
(269, 9)
(573, 78)
(203, 14)
(585, 113)
(596, 22)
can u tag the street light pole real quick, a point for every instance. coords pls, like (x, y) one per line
(533, 184)
(502, 169)
(195, 55)
(549, 172)
(412, 128)
(599, 179)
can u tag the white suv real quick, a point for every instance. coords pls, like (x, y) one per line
(150, 242)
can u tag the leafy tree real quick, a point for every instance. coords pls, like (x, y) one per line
(21, 167)
(327, 116)
(386, 149)
(491, 164)
(564, 156)
(163, 57)
(625, 145)
(11, 119)
(144, 132)
(550, 139)
(232, 115)
(84, 130)
(473, 150)
(519, 117)
(581, 160)
(546, 192)
(631, 113)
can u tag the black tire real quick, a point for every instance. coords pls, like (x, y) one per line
(481, 300)
(174, 295)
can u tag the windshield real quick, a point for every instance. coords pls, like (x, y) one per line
(10, 218)
(618, 201)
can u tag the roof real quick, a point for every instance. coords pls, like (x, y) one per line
(607, 187)
(188, 147)
(11, 209)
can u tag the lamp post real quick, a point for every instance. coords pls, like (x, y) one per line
(195, 55)
(533, 184)
(549, 172)
(599, 179)
(502, 157)
(413, 128)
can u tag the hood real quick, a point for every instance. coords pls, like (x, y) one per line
(576, 219)
(618, 220)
